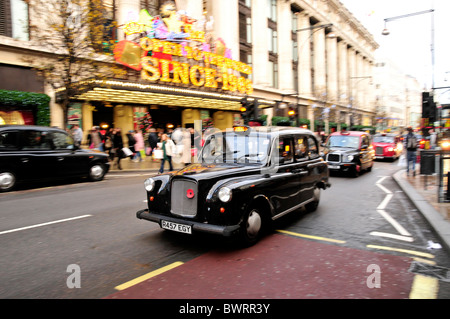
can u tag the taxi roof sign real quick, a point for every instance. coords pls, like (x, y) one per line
(242, 128)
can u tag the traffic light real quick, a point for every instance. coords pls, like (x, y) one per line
(254, 114)
(249, 110)
(428, 107)
(245, 109)
(291, 114)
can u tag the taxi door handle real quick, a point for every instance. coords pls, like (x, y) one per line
(24, 159)
(60, 159)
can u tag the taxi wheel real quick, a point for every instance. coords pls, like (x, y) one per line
(7, 181)
(312, 206)
(97, 172)
(251, 227)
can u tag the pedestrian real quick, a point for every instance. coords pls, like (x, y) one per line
(167, 147)
(411, 149)
(432, 139)
(77, 134)
(152, 140)
(109, 143)
(139, 146)
(131, 142)
(118, 145)
(95, 139)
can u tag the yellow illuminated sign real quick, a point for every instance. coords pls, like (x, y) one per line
(169, 71)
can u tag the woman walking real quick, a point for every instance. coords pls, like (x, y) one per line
(139, 146)
(167, 147)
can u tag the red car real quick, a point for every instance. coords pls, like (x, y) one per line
(387, 146)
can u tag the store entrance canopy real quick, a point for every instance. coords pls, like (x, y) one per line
(123, 92)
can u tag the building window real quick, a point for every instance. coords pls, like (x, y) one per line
(245, 32)
(272, 10)
(273, 74)
(273, 41)
(14, 19)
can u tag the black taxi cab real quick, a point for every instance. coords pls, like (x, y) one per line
(29, 153)
(349, 152)
(245, 179)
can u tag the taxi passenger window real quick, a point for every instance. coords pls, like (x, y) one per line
(62, 141)
(9, 140)
(285, 150)
(36, 140)
(313, 150)
(300, 148)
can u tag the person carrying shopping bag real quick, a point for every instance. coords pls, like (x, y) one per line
(139, 146)
(167, 148)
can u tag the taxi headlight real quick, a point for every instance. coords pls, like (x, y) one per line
(149, 184)
(225, 194)
(350, 158)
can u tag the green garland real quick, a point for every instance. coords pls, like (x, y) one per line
(38, 100)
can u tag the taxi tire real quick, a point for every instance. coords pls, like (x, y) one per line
(312, 206)
(96, 172)
(8, 180)
(252, 227)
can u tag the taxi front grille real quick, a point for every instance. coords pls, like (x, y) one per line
(378, 150)
(333, 158)
(184, 196)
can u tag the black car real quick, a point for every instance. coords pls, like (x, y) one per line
(244, 180)
(350, 152)
(41, 153)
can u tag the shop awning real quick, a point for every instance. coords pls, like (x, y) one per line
(123, 92)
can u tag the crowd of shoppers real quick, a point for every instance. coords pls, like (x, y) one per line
(159, 145)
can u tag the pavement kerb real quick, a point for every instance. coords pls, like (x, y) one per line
(433, 217)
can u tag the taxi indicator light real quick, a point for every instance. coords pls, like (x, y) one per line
(222, 210)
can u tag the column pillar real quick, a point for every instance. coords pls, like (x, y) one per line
(284, 28)
(319, 62)
(332, 70)
(343, 73)
(304, 54)
(260, 45)
(226, 24)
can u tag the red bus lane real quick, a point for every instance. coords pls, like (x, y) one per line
(281, 267)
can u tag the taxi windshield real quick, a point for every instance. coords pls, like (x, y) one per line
(343, 141)
(384, 139)
(231, 147)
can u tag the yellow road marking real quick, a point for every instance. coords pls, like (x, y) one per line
(424, 287)
(148, 276)
(407, 251)
(312, 237)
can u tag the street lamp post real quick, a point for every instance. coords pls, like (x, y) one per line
(387, 32)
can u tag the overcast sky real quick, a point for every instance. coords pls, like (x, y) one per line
(409, 42)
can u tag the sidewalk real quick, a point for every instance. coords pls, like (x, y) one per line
(147, 165)
(425, 198)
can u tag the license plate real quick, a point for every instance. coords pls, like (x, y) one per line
(379, 157)
(186, 229)
(333, 166)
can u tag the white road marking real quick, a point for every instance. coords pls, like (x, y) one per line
(43, 224)
(394, 223)
(404, 234)
(394, 236)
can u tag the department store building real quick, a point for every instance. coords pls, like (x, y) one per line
(313, 56)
